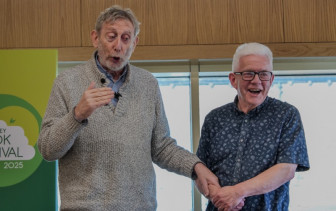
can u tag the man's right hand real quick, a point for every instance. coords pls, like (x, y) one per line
(92, 99)
(204, 178)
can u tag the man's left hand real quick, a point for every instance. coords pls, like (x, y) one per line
(227, 198)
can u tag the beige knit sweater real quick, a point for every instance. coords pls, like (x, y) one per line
(107, 163)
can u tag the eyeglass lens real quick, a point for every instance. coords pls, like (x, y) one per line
(264, 76)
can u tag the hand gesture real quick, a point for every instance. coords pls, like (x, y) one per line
(92, 99)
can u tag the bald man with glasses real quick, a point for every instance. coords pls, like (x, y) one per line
(255, 144)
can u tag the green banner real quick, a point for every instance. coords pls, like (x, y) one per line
(27, 182)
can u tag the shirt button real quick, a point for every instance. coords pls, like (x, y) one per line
(241, 140)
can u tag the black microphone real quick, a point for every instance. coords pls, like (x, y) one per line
(102, 80)
(117, 95)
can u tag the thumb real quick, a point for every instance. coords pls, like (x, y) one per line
(92, 85)
(205, 187)
(213, 180)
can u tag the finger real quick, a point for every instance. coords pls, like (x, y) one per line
(216, 198)
(213, 180)
(100, 91)
(226, 209)
(240, 205)
(205, 188)
(98, 94)
(99, 101)
(216, 202)
(213, 187)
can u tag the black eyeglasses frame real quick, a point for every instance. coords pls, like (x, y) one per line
(254, 74)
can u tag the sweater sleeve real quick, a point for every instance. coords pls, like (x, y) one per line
(165, 152)
(59, 128)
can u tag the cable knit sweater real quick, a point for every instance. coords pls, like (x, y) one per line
(106, 163)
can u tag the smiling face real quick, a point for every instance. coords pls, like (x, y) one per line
(115, 44)
(251, 93)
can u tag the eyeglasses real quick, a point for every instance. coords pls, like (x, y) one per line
(249, 75)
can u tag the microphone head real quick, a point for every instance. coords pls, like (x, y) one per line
(117, 95)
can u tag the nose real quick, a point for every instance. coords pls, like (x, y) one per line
(256, 79)
(117, 45)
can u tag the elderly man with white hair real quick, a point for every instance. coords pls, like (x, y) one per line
(255, 144)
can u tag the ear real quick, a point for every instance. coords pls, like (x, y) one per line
(233, 80)
(136, 40)
(94, 38)
(272, 78)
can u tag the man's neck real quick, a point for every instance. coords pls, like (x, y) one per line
(116, 74)
(245, 108)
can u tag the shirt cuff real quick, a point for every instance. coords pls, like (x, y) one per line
(84, 121)
(193, 173)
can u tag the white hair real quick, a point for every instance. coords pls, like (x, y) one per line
(251, 49)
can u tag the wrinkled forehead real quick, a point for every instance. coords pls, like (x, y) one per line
(120, 25)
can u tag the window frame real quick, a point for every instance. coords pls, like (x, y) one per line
(200, 67)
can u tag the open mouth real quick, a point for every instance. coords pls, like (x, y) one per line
(254, 91)
(116, 59)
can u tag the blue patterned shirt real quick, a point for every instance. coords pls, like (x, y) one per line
(238, 146)
(115, 85)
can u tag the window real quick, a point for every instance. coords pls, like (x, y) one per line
(310, 86)
(174, 192)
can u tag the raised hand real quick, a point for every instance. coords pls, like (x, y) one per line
(92, 99)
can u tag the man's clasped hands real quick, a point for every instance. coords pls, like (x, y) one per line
(225, 198)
